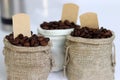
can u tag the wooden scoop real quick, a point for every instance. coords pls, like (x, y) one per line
(21, 25)
(89, 20)
(70, 12)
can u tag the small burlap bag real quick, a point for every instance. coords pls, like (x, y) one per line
(89, 59)
(27, 63)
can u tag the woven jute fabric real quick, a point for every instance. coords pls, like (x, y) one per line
(89, 59)
(27, 63)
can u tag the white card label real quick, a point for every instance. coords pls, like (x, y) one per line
(21, 25)
(89, 20)
(70, 12)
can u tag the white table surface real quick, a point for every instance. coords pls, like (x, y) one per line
(108, 15)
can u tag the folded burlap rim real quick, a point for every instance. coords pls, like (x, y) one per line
(26, 49)
(91, 41)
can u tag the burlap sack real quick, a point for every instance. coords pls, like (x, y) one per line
(27, 63)
(89, 59)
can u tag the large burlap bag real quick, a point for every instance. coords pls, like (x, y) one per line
(27, 63)
(89, 59)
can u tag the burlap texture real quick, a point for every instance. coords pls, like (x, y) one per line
(89, 59)
(27, 63)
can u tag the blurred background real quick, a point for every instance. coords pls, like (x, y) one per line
(51, 10)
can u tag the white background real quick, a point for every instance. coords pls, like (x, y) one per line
(48, 10)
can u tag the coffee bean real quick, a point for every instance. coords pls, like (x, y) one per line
(47, 39)
(43, 43)
(11, 36)
(61, 24)
(45, 27)
(17, 40)
(32, 42)
(40, 38)
(26, 44)
(67, 22)
(20, 36)
(21, 41)
(7, 37)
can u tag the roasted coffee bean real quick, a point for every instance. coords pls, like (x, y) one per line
(26, 44)
(11, 36)
(40, 38)
(43, 43)
(37, 44)
(45, 27)
(17, 40)
(47, 39)
(20, 36)
(34, 36)
(18, 44)
(31, 33)
(86, 32)
(25, 38)
(25, 41)
(61, 24)
(7, 37)
(32, 42)
(66, 22)
(14, 42)
(21, 41)
(58, 25)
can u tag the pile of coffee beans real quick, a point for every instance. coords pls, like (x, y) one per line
(86, 32)
(58, 25)
(25, 41)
